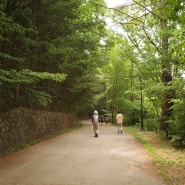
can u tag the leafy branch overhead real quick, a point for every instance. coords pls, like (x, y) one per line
(45, 75)
(28, 76)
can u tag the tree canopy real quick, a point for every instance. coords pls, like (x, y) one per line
(151, 33)
(48, 51)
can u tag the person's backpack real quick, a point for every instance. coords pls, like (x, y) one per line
(95, 118)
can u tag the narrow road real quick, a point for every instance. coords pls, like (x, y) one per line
(79, 158)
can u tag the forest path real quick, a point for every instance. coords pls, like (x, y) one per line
(79, 158)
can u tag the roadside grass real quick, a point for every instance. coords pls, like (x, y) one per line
(168, 157)
(20, 146)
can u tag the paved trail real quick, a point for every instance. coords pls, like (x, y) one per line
(78, 158)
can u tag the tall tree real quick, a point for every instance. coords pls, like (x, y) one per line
(45, 42)
(149, 26)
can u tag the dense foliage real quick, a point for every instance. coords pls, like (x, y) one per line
(48, 50)
(152, 53)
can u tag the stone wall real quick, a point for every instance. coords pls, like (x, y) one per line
(23, 125)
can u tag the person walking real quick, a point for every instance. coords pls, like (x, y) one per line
(119, 121)
(101, 120)
(106, 119)
(95, 123)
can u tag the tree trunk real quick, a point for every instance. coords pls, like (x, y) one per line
(113, 107)
(116, 93)
(166, 78)
(132, 94)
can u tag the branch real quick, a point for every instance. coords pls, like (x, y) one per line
(124, 23)
(149, 38)
(133, 40)
(133, 18)
(147, 9)
(116, 10)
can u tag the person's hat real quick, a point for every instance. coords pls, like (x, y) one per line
(95, 112)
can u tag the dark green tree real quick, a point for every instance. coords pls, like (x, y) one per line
(44, 42)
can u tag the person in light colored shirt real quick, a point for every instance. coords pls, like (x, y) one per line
(119, 121)
(95, 123)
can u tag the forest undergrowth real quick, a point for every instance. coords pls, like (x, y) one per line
(168, 157)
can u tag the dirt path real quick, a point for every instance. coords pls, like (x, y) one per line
(78, 158)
